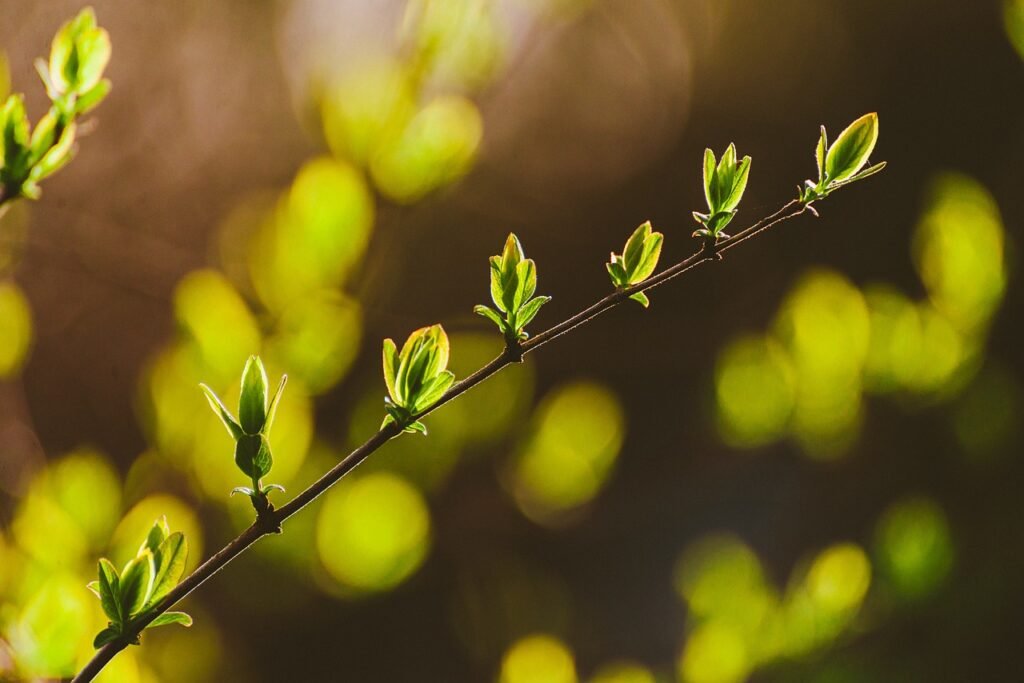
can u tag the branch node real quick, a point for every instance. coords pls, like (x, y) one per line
(514, 351)
(710, 247)
(266, 517)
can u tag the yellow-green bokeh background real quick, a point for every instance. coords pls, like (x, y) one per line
(800, 464)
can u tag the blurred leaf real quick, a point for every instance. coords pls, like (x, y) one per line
(47, 637)
(436, 148)
(93, 97)
(538, 658)
(959, 252)
(317, 339)
(714, 653)
(459, 43)
(5, 76)
(88, 489)
(318, 233)
(217, 320)
(914, 547)
(574, 439)
(755, 390)
(372, 532)
(1013, 22)
(622, 672)
(367, 108)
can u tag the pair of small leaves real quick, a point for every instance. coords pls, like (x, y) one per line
(416, 377)
(844, 162)
(513, 283)
(145, 580)
(73, 79)
(638, 260)
(73, 76)
(725, 181)
(251, 430)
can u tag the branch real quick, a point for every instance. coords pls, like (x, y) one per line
(270, 522)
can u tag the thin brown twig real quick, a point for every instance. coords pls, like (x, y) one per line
(270, 522)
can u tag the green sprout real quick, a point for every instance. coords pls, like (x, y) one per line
(416, 377)
(844, 162)
(74, 82)
(513, 282)
(638, 260)
(251, 430)
(140, 586)
(724, 184)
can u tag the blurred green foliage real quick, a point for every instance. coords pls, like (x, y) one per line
(538, 659)
(71, 513)
(914, 547)
(740, 622)
(1013, 21)
(572, 443)
(372, 532)
(16, 331)
(833, 342)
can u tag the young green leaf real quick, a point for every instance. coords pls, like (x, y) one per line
(648, 258)
(105, 636)
(94, 50)
(136, 584)
(640, 258)
(433, 391)
(272, 408)
(819, 154)
(253, 456)
(92, 98)
(109, 592)
(738, 186)
(710, 163)
(852, 148)
(634, 249)
(58, 156)
(497, 285)
(252, 406)
(724, 186)
(528, 312)
(171, 618)
(491, 315)
(641, 298)
(158, 533)
(420, 379)
(616, 271)
(170, 559)
(391, 363)
(229, 421)
(526, 283)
